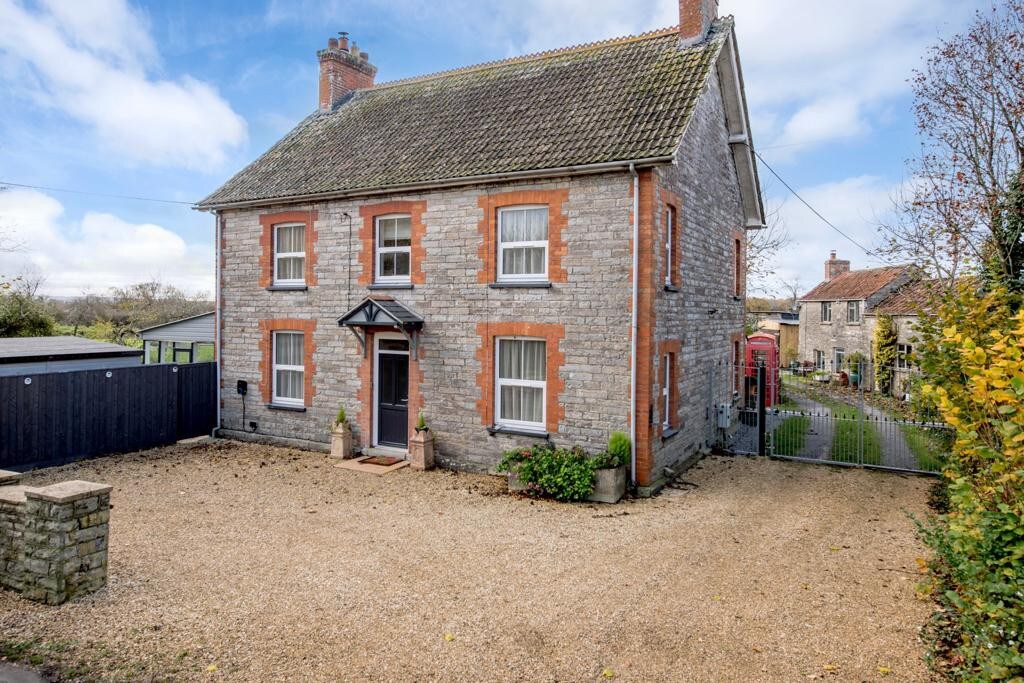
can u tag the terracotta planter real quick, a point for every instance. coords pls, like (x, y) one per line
(610, 486)
(341, 442)
(421, 450)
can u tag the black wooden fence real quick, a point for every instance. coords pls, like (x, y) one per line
(59, 417)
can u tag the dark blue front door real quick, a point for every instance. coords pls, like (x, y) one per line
(393, 400)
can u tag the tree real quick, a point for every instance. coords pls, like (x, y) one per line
(884, 352)
(23, 314)
(145, 304)
(968, 105)
(763, 246)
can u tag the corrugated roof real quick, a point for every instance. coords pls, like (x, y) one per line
(620, 100)
(855, 284)
(910, 299)
(25, 349)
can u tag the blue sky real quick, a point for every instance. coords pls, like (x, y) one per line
(168, 100)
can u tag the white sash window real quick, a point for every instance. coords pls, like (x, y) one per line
(290, 254)
(521, 382)
(289, 368)
(523, 243)
(394, 248)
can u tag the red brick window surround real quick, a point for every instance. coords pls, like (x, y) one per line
(267, 330)
(551, 334)
(668, 380)
(368, 238)
(268, 221)
(739, 265)
(554, 200)
(672, 257)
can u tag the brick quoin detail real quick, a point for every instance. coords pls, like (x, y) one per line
(673, 346)
(557, 222)
(364, 419)
(671, 199)
(734, 339)
(552, 334)
(268, 221)
(368, 239)
(267, 329)
(645, 321)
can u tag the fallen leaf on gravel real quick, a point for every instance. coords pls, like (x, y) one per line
(830, 667)
(922, 565)
(834, 548)
(757, 649)
(717, 597)
(608, 673)
(212, 668)
(884, 670)
(449, 637)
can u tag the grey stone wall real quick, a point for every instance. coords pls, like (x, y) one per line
(593, 305)
(53, 540)
(705, 179)
(827, 336)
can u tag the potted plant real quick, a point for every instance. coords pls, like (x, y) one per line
(510, 463)
(341, 436)
(421, 446)
(610, 470)
(855, 362)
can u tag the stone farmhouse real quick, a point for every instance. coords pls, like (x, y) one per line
(548, 247)
(838, 317)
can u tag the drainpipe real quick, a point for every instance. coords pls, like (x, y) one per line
(216, 312)
(634, 326)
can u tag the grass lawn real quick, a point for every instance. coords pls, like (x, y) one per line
(851, 430)
(928, 445)
(790, 436)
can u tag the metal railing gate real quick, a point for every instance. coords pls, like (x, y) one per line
(825, 416)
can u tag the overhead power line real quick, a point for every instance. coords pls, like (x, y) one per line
(808, 205)
(95, 194)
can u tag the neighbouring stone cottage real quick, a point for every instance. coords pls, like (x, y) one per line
(461, 245)
(838, 317)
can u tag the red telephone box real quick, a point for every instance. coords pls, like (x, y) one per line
(763, 349)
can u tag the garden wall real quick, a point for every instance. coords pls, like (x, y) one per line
(53, 539)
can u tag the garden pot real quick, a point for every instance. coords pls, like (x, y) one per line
(341, 441)
(514, 485)
(421, 450)
(609, 486)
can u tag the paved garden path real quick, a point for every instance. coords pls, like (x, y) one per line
(818, 440)
(895, 449)
(236, 562)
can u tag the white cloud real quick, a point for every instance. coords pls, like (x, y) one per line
(854, 205)
(89, 60)
(99, 251)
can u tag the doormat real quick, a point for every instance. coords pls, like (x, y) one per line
(382, 460)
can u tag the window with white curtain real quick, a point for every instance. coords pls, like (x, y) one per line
(670, 219)
(819, 360)
(394, 248)
(289, 368)
(826, 311)
(667, 392)
(521, 382)
(290, 254)
(523, 243)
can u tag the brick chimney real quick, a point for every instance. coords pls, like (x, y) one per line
(695, 16)
(834, 267)
(342, 70)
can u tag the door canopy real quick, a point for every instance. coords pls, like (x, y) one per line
(374, 312)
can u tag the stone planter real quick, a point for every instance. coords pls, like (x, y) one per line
(421, 450)
(610, 485)
(341, 442)
(514, 485)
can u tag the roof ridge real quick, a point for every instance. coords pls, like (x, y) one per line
(533, 56)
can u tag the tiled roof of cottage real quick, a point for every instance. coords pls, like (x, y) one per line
(855, 284)
(910, 299)
(619, 100)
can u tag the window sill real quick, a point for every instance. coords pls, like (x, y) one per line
(520, 285)
(390, 285)
(287, 288)
(849, 322)
(293, 409)
(668, 434)
(671, 288)
(494, 430)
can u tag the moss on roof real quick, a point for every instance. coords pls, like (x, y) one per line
(620, 100)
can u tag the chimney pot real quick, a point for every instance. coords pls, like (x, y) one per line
(835, 267)
(342, 71)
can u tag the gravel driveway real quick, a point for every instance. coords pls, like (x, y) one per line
(231, 561)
